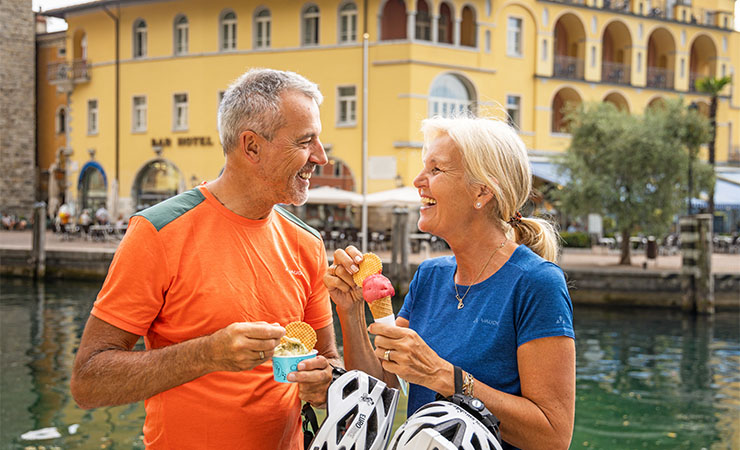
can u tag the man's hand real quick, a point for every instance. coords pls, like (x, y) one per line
(313, 378)
(244, 345)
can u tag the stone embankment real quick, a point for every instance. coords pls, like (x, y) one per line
(593, 275)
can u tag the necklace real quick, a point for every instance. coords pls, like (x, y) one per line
(457, 294)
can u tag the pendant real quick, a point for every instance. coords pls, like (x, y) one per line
(459, 302)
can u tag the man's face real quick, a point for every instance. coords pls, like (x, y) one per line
(295, 150)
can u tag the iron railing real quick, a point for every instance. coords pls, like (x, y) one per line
(658, 77)
(77, 71)
(568, 67)
(613, 72)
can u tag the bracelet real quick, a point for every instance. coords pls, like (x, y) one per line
(468, 384)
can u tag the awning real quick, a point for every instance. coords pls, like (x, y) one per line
(726, 196)
(548, 171)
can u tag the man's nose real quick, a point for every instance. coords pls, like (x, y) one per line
(318, 154)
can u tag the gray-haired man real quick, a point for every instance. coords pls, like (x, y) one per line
(210, 277)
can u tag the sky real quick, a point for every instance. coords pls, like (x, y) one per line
(59, 24)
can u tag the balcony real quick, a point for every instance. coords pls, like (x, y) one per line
(693, 78)
(61, 73)
(568, 67)
(616, 73)
(659, 78)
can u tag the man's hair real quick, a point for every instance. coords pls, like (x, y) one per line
(253, 102)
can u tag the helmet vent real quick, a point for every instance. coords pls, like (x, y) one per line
(372, 429)
(349, 388)
(345, 422)
(475, 443)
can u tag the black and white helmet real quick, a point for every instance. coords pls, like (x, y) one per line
(359, 414)
(460, 423)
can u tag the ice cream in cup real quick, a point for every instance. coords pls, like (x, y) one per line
(292, 350)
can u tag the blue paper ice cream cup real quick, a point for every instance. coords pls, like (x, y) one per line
(283, 365)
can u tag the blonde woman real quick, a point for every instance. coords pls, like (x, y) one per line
(497, 312)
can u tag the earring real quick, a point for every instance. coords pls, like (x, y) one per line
(477, 205)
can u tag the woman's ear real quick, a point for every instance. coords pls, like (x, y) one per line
(483, 196)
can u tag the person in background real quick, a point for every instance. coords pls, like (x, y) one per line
(210, 278)
(497, 311)
(85, 221)
(101, 216)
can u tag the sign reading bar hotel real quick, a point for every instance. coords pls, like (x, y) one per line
(202, 141)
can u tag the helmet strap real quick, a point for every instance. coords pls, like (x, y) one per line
(309, 417)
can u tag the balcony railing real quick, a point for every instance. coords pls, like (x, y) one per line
(568, 67)
(77, 72)
(617, 73)
(659, 78)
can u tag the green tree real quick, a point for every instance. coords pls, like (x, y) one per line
(712, 86)
(632, 168)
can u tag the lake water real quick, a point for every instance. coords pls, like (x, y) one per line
(645, 378)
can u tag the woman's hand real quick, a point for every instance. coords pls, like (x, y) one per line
(411, 358)
(345, 294)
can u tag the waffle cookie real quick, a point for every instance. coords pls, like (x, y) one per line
(301, 331)
(370, 265)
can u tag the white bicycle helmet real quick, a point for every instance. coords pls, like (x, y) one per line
(449, 425)
(359, 414)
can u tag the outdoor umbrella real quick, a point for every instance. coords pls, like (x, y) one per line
(333, 196)
(404, 196)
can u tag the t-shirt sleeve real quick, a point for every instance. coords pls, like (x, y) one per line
(318, 308)
(545, 309)
(134, 290)
(408, 301)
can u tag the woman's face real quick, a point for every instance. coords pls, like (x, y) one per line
(446, 196)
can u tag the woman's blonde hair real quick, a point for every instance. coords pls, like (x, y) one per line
(494, 155)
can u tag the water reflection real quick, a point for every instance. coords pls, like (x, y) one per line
(645, 378)
(657, 379)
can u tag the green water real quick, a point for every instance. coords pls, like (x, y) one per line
(645, 378)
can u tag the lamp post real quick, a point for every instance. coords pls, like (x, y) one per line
(692, 107)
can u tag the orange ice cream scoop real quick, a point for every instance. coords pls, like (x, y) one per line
(376, 287)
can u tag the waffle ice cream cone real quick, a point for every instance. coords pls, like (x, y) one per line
(381, 308)
(377, 291)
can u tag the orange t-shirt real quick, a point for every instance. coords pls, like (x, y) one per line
(188, 267)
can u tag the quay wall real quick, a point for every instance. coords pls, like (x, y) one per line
(595, 286)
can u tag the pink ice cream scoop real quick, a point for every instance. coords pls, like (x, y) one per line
(376, 287)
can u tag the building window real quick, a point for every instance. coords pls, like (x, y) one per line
(139, 113)
(444, 24)
(139, 39)
(182, 37)
(227, 30)
(92, 117)
(393, 21)
(513, 110)
(180, 113)
(310, 21)
(262, 32)
(450, 96)
(423, 21)
(346, 105)
(488, 41)
(347, 23)
(514, 37)
(468, 28)
(61, 120)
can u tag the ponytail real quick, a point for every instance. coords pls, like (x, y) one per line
(539, 235)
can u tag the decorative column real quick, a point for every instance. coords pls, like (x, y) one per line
(435, 29)
(456, 32)
(411, 25)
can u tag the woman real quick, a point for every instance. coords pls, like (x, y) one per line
(499, 308)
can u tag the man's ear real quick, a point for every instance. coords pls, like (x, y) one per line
(250, 145)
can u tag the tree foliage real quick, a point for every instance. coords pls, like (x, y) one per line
(632, 168)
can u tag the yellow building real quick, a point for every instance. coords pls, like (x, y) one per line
(145, 77)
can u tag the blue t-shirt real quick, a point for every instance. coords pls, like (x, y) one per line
(525, 299)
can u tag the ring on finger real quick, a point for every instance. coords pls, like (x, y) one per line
(387, 355)
(262, 354)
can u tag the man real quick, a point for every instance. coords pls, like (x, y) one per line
(210, 277)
